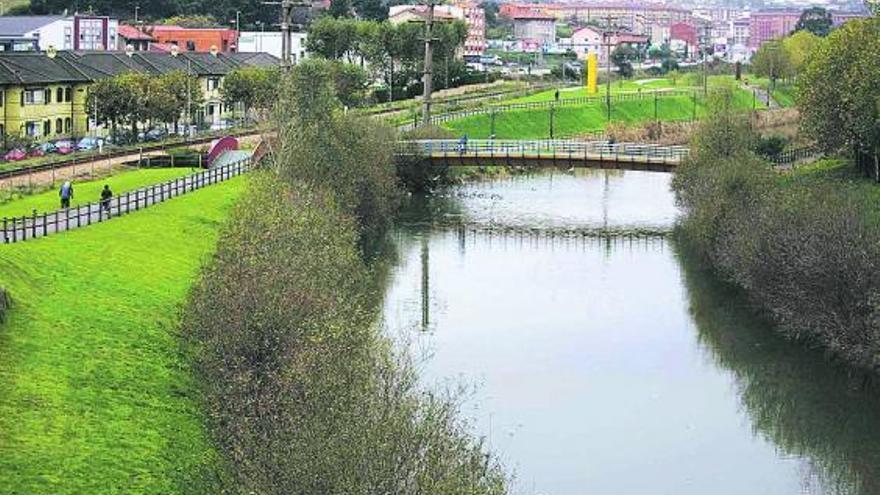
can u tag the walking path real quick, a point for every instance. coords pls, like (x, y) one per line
(41, 225)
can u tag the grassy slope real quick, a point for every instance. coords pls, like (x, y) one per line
(95, 396)
(86, 192)
(570, 121)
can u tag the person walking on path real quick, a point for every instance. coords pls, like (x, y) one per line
(106, 196)
(557, 95)
(66, 194)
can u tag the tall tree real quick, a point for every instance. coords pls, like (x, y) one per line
(772, 61)
(816, 20)
(799, 46)
(839, 89)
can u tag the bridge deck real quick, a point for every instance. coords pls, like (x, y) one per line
(592, 154)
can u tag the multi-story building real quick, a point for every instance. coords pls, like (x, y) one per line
(132, 38)
(271, 42)
(475, 18)
(769, 25)
(590, 39)
(44, 95)
(634, 17)
(534, 30)
(472, 14)
(77, 32)
(194, 40)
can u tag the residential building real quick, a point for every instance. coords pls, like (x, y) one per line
(77, 32)
(44, 95)
(270, 42)
(770, 25)
(472, 14)
(398, 14)
(475, 18)
(591, 39)
(194, 40)
(684, 39)
(535, 30)
(134, 39)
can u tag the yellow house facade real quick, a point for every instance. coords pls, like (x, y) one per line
(44, 97)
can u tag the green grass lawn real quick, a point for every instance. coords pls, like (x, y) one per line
(95, 393)
(90, 190)
(682, 82)
(571, 121)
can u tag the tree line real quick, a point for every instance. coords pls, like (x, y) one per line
(392, 53)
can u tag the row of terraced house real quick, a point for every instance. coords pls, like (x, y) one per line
(43, 95)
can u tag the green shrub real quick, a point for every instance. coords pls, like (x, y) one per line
(806, 254)
(351, 156)
(304, 392)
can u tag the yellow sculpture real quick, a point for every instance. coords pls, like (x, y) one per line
(592, 74)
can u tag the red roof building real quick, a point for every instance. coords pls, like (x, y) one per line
(130, 36)
(195, 40)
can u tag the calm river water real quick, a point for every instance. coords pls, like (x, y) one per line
(606, 364)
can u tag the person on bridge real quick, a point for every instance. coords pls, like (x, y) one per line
(66, 194)
(106, 196)
(462, 144)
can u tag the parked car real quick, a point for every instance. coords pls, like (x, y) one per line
(15, 155)
(36, 153)
(222, 124)
(64, 147)
(154, 135)
(47, 148)
(90, 143)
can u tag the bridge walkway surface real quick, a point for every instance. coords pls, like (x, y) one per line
(546, 153)
(38, 225)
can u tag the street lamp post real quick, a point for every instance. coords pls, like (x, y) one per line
(136, 9)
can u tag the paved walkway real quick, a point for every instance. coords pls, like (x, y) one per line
(41, 225)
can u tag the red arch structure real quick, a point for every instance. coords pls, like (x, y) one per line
(219, 147)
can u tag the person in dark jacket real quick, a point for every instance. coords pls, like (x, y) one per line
(106, 196)
(66, 194)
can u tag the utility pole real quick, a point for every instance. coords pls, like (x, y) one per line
(427, 79)
(136, 9)
(706, 37)
(606, 40)
(286, 26)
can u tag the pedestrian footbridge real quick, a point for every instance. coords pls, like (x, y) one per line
(546, 153)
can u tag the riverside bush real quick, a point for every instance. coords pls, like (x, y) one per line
(807, 254)
(350, 155)
(304, 393)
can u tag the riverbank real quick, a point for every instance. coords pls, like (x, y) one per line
(805, 246)
(97, 397)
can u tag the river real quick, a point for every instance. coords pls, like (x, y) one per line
(606, 363)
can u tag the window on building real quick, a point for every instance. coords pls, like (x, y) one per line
(59, 95)
(32, 129)
(59, 126)
(68, 94)
(33, 97)
(68, 124)
(213, 83)
(190, 46)
(48, 95)
(47, 127)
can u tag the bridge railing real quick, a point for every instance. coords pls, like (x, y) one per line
(555, 149)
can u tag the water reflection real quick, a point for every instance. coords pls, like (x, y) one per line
(594, 376)
(794, 397)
